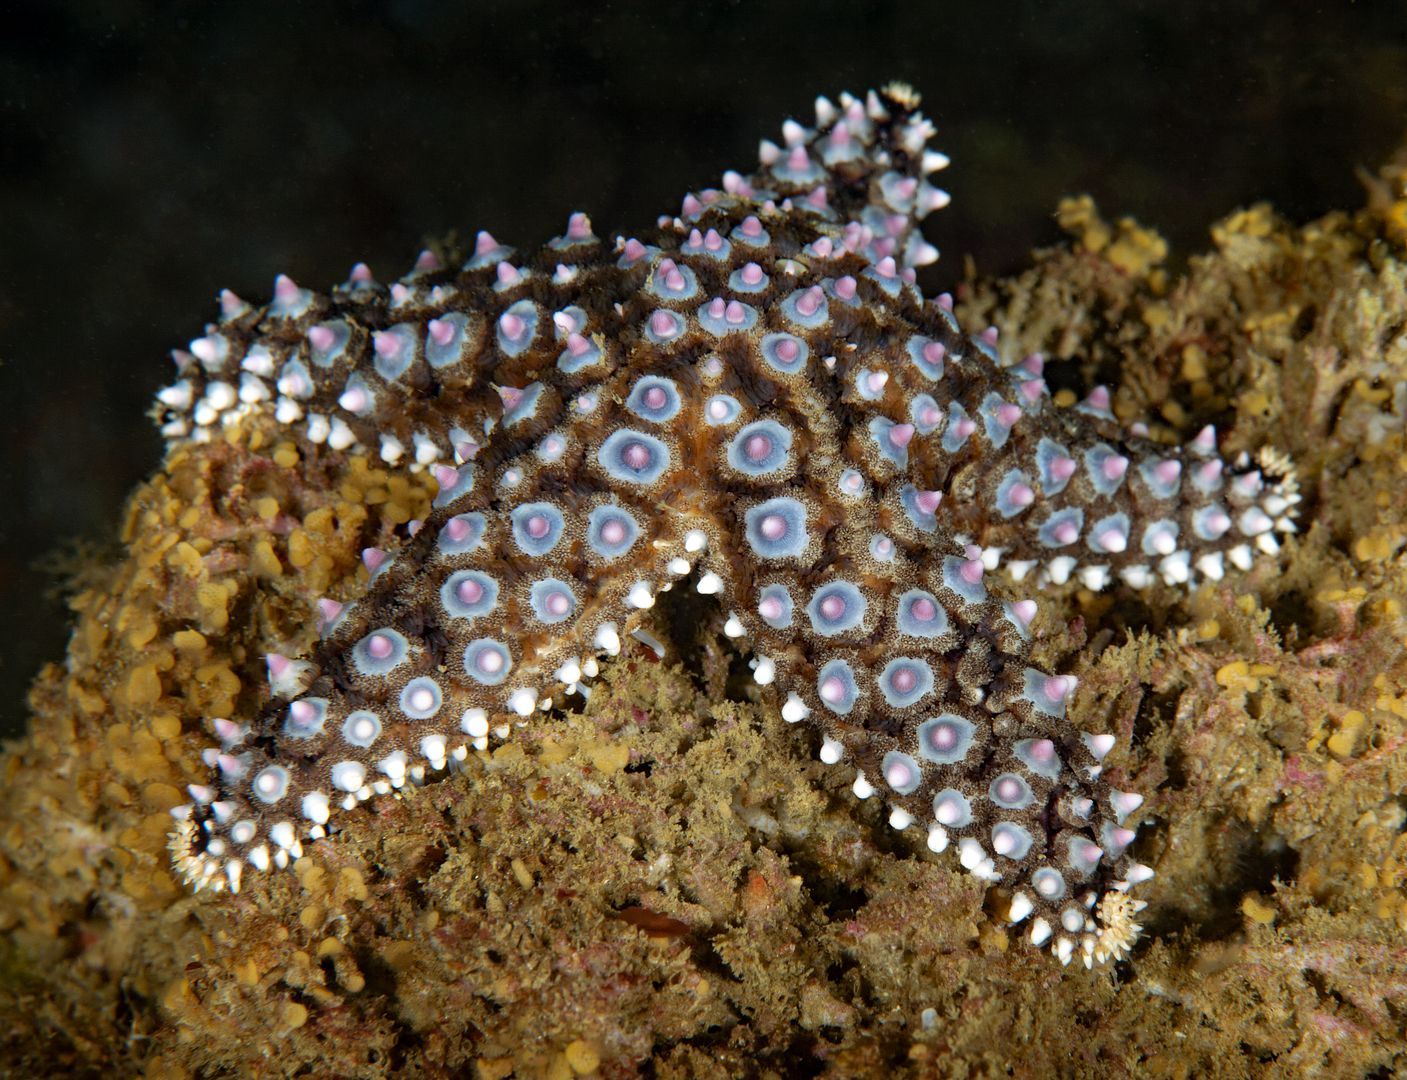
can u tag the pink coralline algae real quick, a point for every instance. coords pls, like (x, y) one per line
(754, 397)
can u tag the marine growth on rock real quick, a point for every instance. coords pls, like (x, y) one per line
(752, 397)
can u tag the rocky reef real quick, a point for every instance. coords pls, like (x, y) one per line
(666, 882)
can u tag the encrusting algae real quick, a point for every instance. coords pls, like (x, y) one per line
(665, 880)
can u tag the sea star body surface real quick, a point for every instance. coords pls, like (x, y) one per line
(755, 397)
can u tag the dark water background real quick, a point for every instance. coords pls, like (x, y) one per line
(151, 154)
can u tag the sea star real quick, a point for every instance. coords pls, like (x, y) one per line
(756, 396)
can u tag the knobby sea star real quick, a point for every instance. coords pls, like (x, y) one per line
(756, 397)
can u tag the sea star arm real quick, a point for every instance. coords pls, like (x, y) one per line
(1051, 492)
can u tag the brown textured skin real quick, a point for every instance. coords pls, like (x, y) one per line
(978, 667)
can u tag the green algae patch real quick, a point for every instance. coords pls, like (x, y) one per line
(665, 881)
